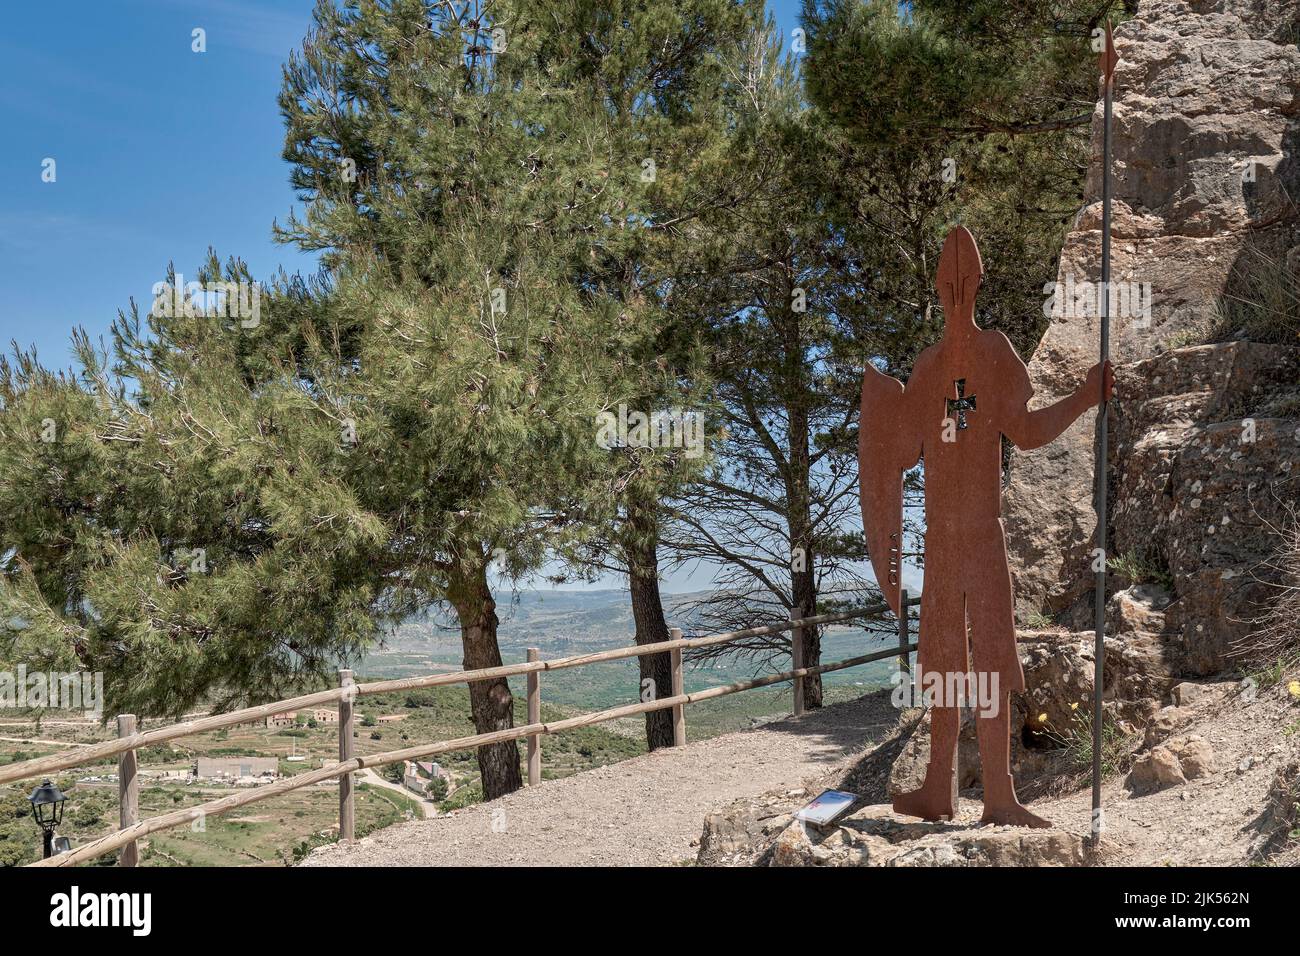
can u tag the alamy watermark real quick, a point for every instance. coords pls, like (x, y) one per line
(76, 909)
(978, 690)
(1083, 298)
(673, 428)
(211, 300)
(64, 690)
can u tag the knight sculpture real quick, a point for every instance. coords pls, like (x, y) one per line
(964, 393)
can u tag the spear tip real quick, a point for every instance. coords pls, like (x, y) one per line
(1109, 57)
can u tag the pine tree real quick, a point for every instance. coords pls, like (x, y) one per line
(161, 522)
(912, 116)
(775, 509)
(689, 130)
(951, 110)
(232, 506)
(524, 186)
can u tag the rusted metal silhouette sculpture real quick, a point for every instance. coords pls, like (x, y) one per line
(964, 393)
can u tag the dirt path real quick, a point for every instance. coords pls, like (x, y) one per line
(643, 811)
(369, 776)
(40, 740)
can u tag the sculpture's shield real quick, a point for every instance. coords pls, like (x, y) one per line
(883, 453)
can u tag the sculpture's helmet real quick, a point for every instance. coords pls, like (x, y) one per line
(960, 272)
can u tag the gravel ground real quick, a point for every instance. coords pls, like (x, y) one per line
(649, 810)
(643, 811)
(1215, 820)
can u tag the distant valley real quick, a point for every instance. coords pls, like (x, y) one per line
(562, 623)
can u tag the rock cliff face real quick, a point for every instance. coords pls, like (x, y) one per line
(1205, 126)
(1203, 474)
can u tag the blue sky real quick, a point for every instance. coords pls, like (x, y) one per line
(159, 152)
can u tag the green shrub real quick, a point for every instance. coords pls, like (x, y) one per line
(1076, 740)
(1262, 300)
(1141, 569)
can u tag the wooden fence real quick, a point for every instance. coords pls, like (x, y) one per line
(130, 740)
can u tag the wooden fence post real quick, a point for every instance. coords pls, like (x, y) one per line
(796, 656)
(128, 791)
(679, 688)
(347, 794)
(534, 717)
(904, 664)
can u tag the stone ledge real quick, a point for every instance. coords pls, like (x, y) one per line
(876, 836)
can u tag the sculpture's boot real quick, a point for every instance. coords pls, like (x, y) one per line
(937, 797)
(1001, 806)
(936, 800)
(1003, 809)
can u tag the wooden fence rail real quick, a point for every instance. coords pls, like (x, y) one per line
(132, 829)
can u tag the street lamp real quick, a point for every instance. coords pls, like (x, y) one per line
(47, 805)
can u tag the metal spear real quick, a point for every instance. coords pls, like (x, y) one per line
(1108, 60)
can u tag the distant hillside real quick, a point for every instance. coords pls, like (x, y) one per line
(562, 623)
(581, 620)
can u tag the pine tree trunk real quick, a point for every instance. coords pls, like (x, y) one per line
(803, 581)
(641, 544)
(490, 701)
(805, 599)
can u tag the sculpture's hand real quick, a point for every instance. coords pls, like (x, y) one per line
(1035, 429)
(1092, 385)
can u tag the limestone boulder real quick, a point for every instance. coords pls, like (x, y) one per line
(1163, 724)
(727, 833)
(1059, 668)
(1138, 609)
(1204, 133)
(1195, 756)
(1155, 770)
(1171, 764)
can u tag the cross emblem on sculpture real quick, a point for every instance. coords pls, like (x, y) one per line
(958, 407)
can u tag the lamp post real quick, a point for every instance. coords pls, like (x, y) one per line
(47, 804)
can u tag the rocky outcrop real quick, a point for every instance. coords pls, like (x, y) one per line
(875, 836)
(1200, 475)
(1204, 129)
(1171, 764)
